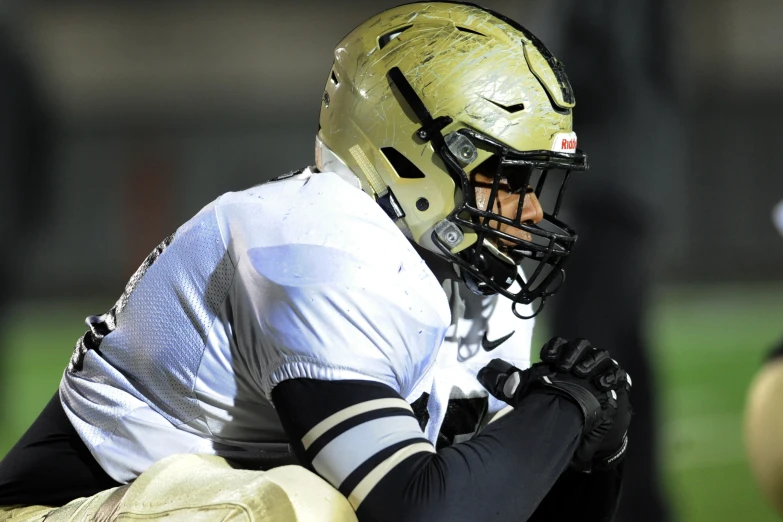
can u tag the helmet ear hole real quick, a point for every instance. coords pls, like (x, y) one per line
(402, 165)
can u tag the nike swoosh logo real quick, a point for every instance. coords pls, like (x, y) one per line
(491, 345)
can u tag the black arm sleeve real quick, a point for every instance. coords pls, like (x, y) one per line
(500, 475)
(588, 497)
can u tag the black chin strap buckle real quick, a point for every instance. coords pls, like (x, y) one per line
(433, 127)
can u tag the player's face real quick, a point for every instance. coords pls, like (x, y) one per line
(507, 204)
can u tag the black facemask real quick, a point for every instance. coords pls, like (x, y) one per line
(493, 264)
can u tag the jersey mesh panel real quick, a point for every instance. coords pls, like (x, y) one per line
(161, 332)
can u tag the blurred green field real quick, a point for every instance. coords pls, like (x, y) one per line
(708, 341)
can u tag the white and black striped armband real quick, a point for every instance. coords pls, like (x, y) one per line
(352, 433)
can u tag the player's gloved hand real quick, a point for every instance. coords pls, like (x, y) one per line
(587, 376)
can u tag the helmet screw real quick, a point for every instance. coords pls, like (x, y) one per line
(423, 135)
(461, 147)
(449, 233)
(422, 204)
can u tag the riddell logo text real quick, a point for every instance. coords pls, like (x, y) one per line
(568, 144)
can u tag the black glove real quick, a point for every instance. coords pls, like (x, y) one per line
(585, 375)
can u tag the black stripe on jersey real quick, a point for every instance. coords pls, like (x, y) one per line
(308, 401)
(399, 478)
(319, 443)
(370, 464)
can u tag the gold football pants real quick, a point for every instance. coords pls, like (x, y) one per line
(201, 488)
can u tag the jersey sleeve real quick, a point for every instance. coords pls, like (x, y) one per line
(328, 314)
(363, 439)
(332, 291)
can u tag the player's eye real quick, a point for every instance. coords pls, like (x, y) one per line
(518, 178)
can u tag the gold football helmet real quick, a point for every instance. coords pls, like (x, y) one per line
(421, 95)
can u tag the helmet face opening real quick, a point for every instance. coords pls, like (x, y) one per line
(495, 262)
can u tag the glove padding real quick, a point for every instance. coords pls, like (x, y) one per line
(585, 375)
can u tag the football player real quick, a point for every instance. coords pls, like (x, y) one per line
(763, 422)
(362, 317)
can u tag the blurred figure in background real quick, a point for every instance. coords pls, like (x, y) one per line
(25, 144)
(618, 58)
(764, 419)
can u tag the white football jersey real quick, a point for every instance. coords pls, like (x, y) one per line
(304, 277)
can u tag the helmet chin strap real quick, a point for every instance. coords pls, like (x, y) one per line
(498, 266)
(541, 301)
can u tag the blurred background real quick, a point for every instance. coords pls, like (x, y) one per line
(119, 120)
